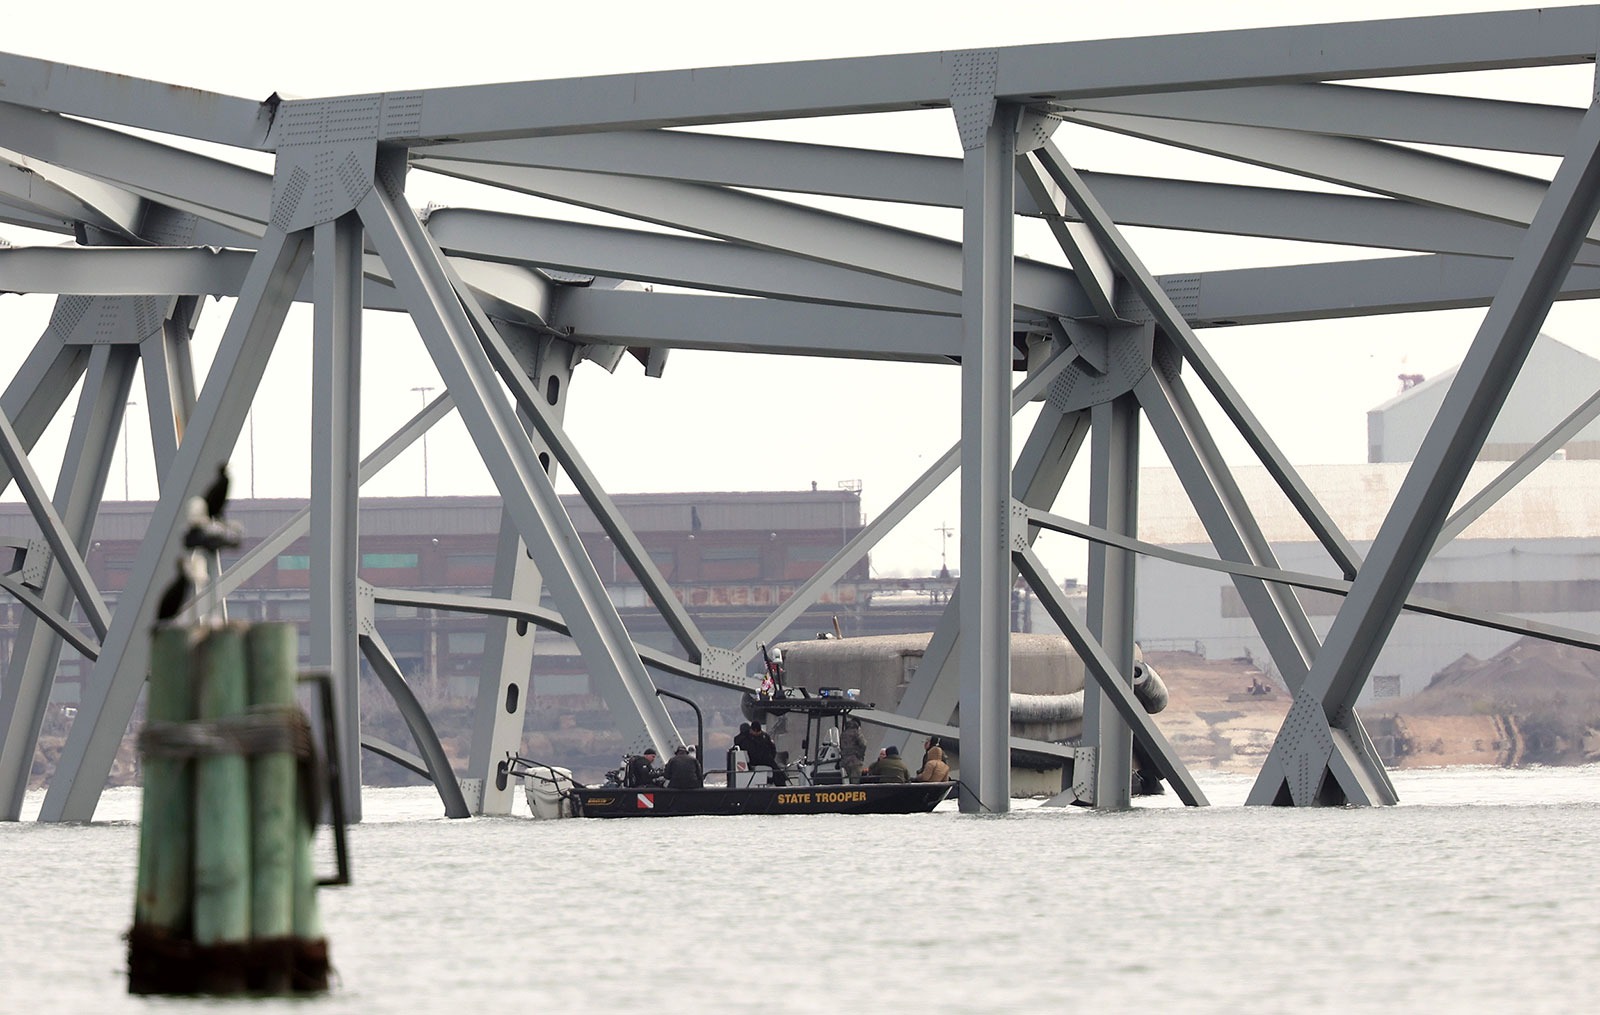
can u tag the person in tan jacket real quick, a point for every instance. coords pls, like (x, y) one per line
(933, 769)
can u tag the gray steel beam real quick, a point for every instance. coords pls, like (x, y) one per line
(447, 332)
(335, 483)
(726, 324)
(218, 191)
(1315, 292)
(1269, 212)
(672, 260)
(1094, 272)
(725, 160)
(1377, 166)
(118, 675)
(752, 221)
(500, 711)
(118, 271)
(1171, 321)
(1351, 220)
(34, 654)
(40, 388)
(67, 197)
(1102, 670)
(1024, 73)
(134, 102)
(1437, 474)
(55, 621)
(990, 140)
(1354, 111)
(1106, 780)
(168, 371)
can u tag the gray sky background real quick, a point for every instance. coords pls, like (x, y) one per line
(748, 423)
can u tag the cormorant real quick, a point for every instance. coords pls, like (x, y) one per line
(175, 596)
(216, 495)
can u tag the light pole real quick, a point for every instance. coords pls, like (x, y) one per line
(423, 389)
(127, 425)
(251, 416)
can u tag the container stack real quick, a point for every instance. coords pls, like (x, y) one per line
(226, 900)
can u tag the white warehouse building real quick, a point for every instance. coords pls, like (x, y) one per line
(1535, 554)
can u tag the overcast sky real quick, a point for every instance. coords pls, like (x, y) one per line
(744, 423)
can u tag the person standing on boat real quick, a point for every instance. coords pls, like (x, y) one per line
(934, 768)
(852, 749)
(642, 769)
(683, 771)
(890, 768)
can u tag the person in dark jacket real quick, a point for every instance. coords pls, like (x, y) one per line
(889, 768)
(642, 769)
(764, 752)
(683, 771)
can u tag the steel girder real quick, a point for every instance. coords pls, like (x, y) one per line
(336, 483)
(819, 283)
(989, 135)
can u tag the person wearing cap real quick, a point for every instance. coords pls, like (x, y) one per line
(683, 771)
(642, 769)
(889, 768)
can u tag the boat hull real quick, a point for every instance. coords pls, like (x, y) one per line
(871, 798)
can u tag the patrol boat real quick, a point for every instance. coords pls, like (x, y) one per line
(813, 785)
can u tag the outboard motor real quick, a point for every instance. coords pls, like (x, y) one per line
(549, 791)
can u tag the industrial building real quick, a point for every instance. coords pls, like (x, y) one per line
(731, 558)
(1534, 554)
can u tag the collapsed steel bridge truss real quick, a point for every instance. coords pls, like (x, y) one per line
(506, 304)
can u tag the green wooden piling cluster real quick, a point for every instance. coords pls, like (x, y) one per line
(226, 899)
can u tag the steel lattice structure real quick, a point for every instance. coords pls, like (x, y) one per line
(505, 303)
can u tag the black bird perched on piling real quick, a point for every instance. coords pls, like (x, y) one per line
(216, 495)
(175, 596)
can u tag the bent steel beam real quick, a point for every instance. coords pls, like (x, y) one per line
(416, 719)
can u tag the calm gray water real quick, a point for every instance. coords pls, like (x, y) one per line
(1478, 893)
